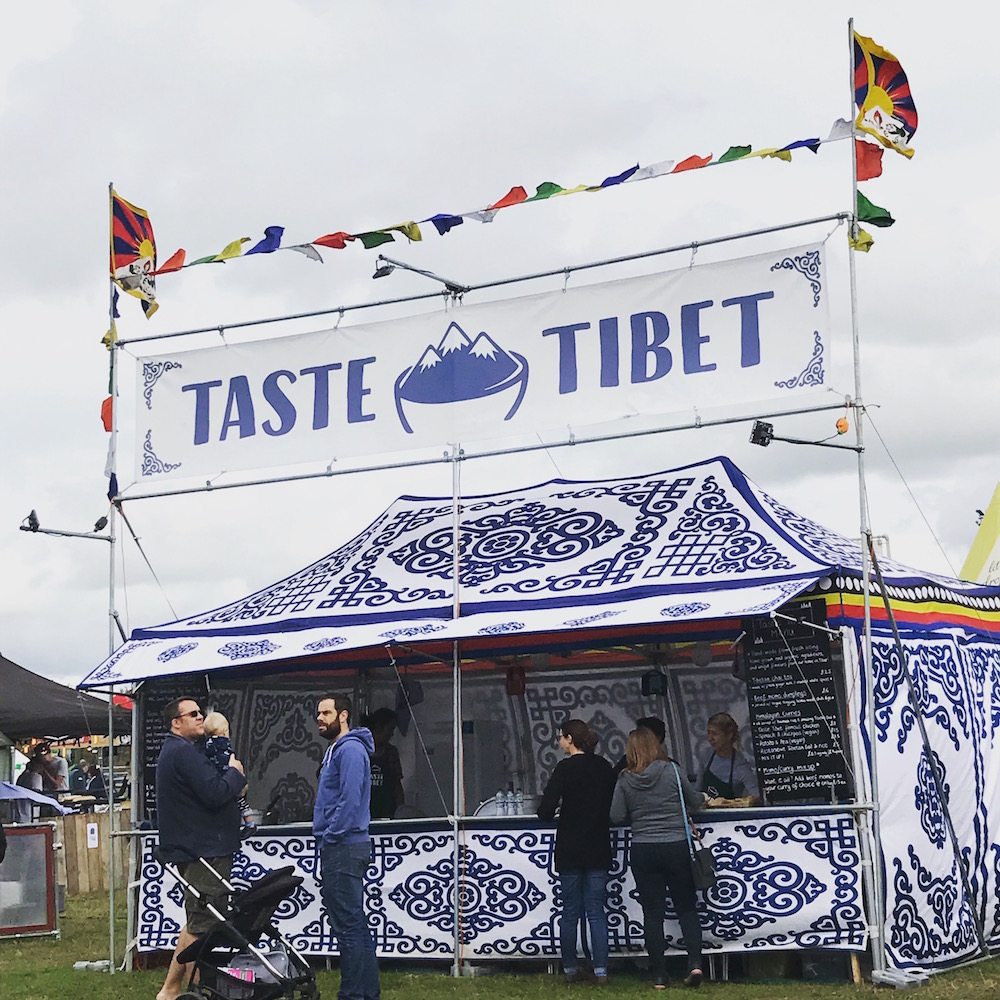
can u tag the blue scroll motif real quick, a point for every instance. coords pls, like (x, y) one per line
(600, 616)
(108, 671)
(754, 889)
(245, 650)
(411, 631)
(152, 464)
(174, 651)
(509, 542)
(330, 642)
(151, 374)
(490, 895)
(344, 579)
(808, 265)
(928, 802)
(713, 536)
(824, 545)
(502, 628)
(683, 610)
(813, 373)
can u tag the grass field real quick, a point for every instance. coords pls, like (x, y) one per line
(42, 969)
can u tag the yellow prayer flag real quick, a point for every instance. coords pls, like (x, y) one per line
(864, 241)
(233, 249)
(409, 229)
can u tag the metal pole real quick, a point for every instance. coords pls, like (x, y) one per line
(457, 776)
(878, 932)
(571, 442)
(499, 283)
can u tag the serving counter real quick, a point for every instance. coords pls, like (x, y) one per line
(788, 878)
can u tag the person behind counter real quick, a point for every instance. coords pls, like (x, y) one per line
(581, 786)
(728, 774)
(648, 797)
(655, 726)
(386, 767)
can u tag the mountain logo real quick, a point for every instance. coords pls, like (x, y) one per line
(461, 369)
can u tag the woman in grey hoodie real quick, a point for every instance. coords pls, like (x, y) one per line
(648, 797)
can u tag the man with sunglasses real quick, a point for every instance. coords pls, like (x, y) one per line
(199, 817)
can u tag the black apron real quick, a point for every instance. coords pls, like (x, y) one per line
(714, 786)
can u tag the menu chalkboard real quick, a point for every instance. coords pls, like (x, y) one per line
(797, 707)
(154, 696)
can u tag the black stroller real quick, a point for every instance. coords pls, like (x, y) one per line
(244, 956)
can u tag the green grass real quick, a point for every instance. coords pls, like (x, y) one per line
(42, 969)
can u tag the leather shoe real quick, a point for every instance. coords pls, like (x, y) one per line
(693, 978)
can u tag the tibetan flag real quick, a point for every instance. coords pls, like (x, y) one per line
(270, 242)
(133, 252)
(882, 94)
(864, 242)
(869, 159)
(872, 214)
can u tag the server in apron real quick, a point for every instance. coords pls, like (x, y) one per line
(727, 774)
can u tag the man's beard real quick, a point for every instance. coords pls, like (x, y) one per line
(330, 732)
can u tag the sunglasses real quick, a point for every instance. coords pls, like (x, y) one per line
(196, 714)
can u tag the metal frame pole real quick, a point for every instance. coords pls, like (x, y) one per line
(878, 930)
(458, 797)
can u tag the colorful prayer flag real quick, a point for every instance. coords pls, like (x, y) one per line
(872, 214)
(270, 242)
(444, 223)
(692, 163)
(133, 252)
(864, 241)
(513, 197)
(869, 159)
(375, 239)
(882, 94)
(173, 263)
(335, 241)
(106, 414)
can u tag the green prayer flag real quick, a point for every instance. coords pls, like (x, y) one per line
(734, 153)
(546, 190)
(375, 239)
(872, 214)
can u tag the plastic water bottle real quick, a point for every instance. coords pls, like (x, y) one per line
(509, 810)
(501, 801)
(519, 802)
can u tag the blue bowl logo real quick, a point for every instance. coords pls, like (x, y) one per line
(461, 369)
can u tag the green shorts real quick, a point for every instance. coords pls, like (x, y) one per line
(199, 918)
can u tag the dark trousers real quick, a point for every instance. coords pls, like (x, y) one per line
(344, 867)
(656, 868)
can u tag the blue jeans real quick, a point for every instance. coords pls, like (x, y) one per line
(342, 889)
(584, 891)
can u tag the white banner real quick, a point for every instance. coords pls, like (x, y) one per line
(730, 333)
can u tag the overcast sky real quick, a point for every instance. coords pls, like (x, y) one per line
(222, 118)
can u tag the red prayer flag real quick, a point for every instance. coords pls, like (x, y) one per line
(692, 163)
(106, 414)
(869, 158)
(513, 197)
(122, 701)
(336, 241)
(174, 263)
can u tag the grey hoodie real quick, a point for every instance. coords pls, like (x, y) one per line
(651, 804)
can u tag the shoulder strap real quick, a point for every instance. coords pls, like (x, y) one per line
(684, 811)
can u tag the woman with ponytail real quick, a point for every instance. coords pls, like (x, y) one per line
(581, 787)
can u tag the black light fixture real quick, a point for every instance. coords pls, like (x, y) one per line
(761, 433)
(32, 524)
(100, 524)
(384, 266)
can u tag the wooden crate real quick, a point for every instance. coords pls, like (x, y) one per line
(86, 868)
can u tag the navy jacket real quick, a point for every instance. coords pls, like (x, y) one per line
(196, 806)
(342, 812)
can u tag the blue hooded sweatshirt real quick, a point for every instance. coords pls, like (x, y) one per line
(342, 812)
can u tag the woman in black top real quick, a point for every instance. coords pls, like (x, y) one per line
(581, 786)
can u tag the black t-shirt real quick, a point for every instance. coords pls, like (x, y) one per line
(582, 786)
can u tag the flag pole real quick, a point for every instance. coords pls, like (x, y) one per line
(878, 917)
(112, 446)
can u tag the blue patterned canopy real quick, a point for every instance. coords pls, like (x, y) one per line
(692, 544)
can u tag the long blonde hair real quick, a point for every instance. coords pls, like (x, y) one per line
(642, 749)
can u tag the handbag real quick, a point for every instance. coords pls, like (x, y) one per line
(702, 859)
